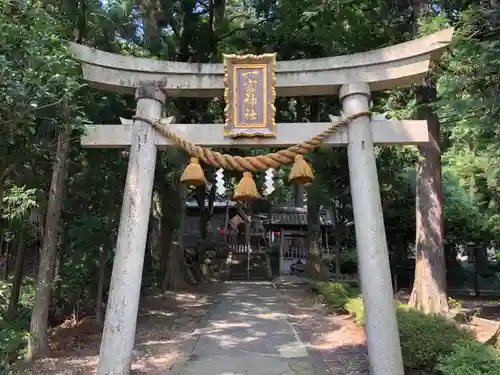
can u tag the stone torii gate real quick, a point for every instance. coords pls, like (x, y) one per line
(352, 77)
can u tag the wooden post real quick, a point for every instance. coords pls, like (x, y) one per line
(282, 243)
(226, 223)
(384, 348)
(326, 242)
(118, 336)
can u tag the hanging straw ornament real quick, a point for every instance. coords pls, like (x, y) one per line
(193, 175)
(301, 172)
(246, 189)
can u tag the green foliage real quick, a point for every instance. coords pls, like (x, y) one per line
(13, 339)
(4, 295)
(428, 342)
(39, 76)
(348, 262)
(425, 338)
(17, 202)
(470, 357)
(454, 304)
(356, 309)
(468, 109)
(336, 295)
(13, 331)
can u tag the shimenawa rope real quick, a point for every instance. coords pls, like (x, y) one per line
(249, 163)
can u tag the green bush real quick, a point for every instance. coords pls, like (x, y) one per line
(336, 295)
(355, 308)
(428, 342)
(14, 330)
(13, 339)
(426, 338)
(348, 262)
(470, 357)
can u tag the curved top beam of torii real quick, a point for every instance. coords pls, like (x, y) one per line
(384, 68)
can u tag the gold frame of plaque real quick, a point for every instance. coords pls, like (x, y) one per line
(249, 94)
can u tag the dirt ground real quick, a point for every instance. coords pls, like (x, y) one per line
(334, 340)
(164, 322)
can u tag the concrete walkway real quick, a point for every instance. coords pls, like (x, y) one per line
(248, 333)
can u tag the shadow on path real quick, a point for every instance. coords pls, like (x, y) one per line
(247, 333)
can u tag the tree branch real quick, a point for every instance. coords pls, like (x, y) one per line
(234, 31)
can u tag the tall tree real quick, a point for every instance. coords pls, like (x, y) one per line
(39, 345)
(315, 267)
(429, 288)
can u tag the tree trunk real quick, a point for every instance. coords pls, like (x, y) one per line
(173, 259)
(176, 274)
(175, 277)
(2, 225)
(299, 195)
(429, 286)
(315, 267)
(4, 260)
(18, 276)
(339, 235)
(103, 260)
(168, 201)
(154, 236)
(166, 236)
(206, 211)
(39, 317)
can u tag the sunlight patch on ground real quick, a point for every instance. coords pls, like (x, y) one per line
(186, 296)
(157, 342)
(225, 341)
(272, 316)
(206, 331)
(293, 350)
(222, 324)
(157, 313)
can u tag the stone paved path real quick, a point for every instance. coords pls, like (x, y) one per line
(248, 333)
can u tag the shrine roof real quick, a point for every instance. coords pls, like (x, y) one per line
(295, 216)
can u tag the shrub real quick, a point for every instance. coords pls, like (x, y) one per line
(425, 338)
(336, 295)
(470, 357)
(355, 308)
(13, 339)
(454, 304)
(14, 330)
(315, 286)
(429, 342)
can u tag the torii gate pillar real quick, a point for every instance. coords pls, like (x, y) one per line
(118, 337)
(384, 347)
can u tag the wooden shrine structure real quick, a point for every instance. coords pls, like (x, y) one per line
(288, 225)
(249, 85)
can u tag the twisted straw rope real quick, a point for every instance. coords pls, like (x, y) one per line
(249, 163)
